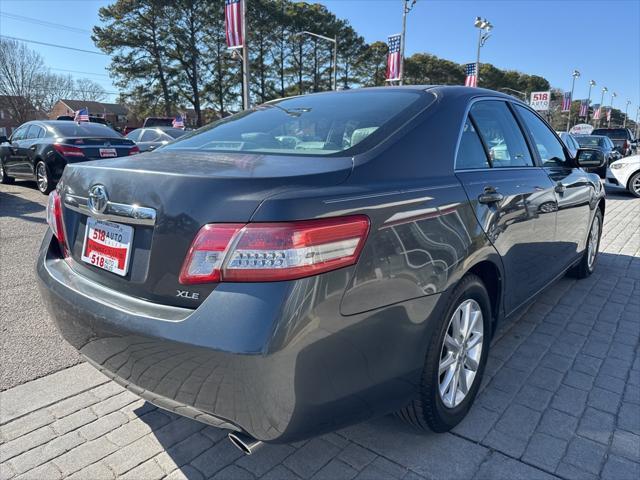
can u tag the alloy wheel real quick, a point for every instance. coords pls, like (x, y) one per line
(460, 354)
(41, 177)
(635, 185)
(592, 248)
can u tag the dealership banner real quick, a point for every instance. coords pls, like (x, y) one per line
(540, 100)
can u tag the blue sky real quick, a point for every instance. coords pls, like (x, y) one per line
(601, 38)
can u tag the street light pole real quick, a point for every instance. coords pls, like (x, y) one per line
(407, 5)
(333, 40)
(484, 27)
(604, 90)
(626, 108)
(592, 83)
(613, 95)
(575, 75)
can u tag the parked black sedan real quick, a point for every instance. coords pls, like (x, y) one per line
(319, 260)
(40, 150)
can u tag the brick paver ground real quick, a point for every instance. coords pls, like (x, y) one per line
(561, 398)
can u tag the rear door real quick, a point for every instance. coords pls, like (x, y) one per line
(512, 197)
(572, 186)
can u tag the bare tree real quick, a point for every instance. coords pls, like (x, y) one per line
(52, 87)
(21, 73)
(89, 91)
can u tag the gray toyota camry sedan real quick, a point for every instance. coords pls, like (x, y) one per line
(319, 260)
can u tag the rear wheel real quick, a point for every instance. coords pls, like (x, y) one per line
(43, 178)
(455, 360)
(634, 184)
(3, 175)
(588, 262)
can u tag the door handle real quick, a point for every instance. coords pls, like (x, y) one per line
(559, 188)
(33, 148)
(490, 195)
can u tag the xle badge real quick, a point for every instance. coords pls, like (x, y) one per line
(187, 294)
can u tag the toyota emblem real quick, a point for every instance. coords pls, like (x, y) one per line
(98, 199)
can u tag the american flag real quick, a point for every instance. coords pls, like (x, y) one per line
(233, 23)
(393, 58)
(81, 115)
(584, 108)
(178, 122)
(566, 102)
(609, 114)
(596, 112)
(472, 75)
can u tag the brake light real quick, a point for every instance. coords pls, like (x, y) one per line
(68, 150)
(135, 149)
(262, 252)
(54, 219)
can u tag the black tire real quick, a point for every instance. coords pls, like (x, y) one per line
(3, 175)
(634, 184)
(586, 267)
(429, 411)
(43, 178)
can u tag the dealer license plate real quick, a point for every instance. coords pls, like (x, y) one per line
(107, 245)
(108, 152)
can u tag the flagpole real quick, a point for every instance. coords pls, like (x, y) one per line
(575, 75)
(626, 109)
(246, 97)
(591, 84)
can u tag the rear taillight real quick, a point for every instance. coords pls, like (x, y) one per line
(262, 252)
(135, 149)
(54, 219)
(68, 150)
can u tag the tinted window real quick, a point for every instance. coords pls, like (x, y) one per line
(320, 124)
(85, 129)
(174, 132)
(34, 132)
(471, 153)
(150, 136)
(501, 135)
(19, 134)
(548, 146)
(589, 141)
(617, 133)
(135, 135)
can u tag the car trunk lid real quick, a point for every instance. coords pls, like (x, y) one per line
(182, 191)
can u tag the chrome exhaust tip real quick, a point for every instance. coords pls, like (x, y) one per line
(245, 443)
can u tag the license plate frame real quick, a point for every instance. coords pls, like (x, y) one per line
(107, 245)
(108, 152)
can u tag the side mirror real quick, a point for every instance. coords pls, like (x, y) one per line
(4, 139)
(590, 158)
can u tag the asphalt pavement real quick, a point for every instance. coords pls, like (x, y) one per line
(30, 346)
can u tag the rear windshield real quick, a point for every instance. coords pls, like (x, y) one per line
(323, 124)
(157, 122)
(174, 132)
(588, 141)
(616, 133)
(74, 129)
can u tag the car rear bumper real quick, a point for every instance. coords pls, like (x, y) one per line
(275, 360)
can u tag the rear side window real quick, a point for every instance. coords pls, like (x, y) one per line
(150, 136)
(501, 134)
(548, 146)
(321, 124)
(471, 154)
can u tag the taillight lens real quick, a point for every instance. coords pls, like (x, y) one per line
(54, 219)
(135, 149)
(260, 252)
(68, 150)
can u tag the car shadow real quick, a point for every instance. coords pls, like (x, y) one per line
(522, 344)
(618, 193)
(12, 205)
